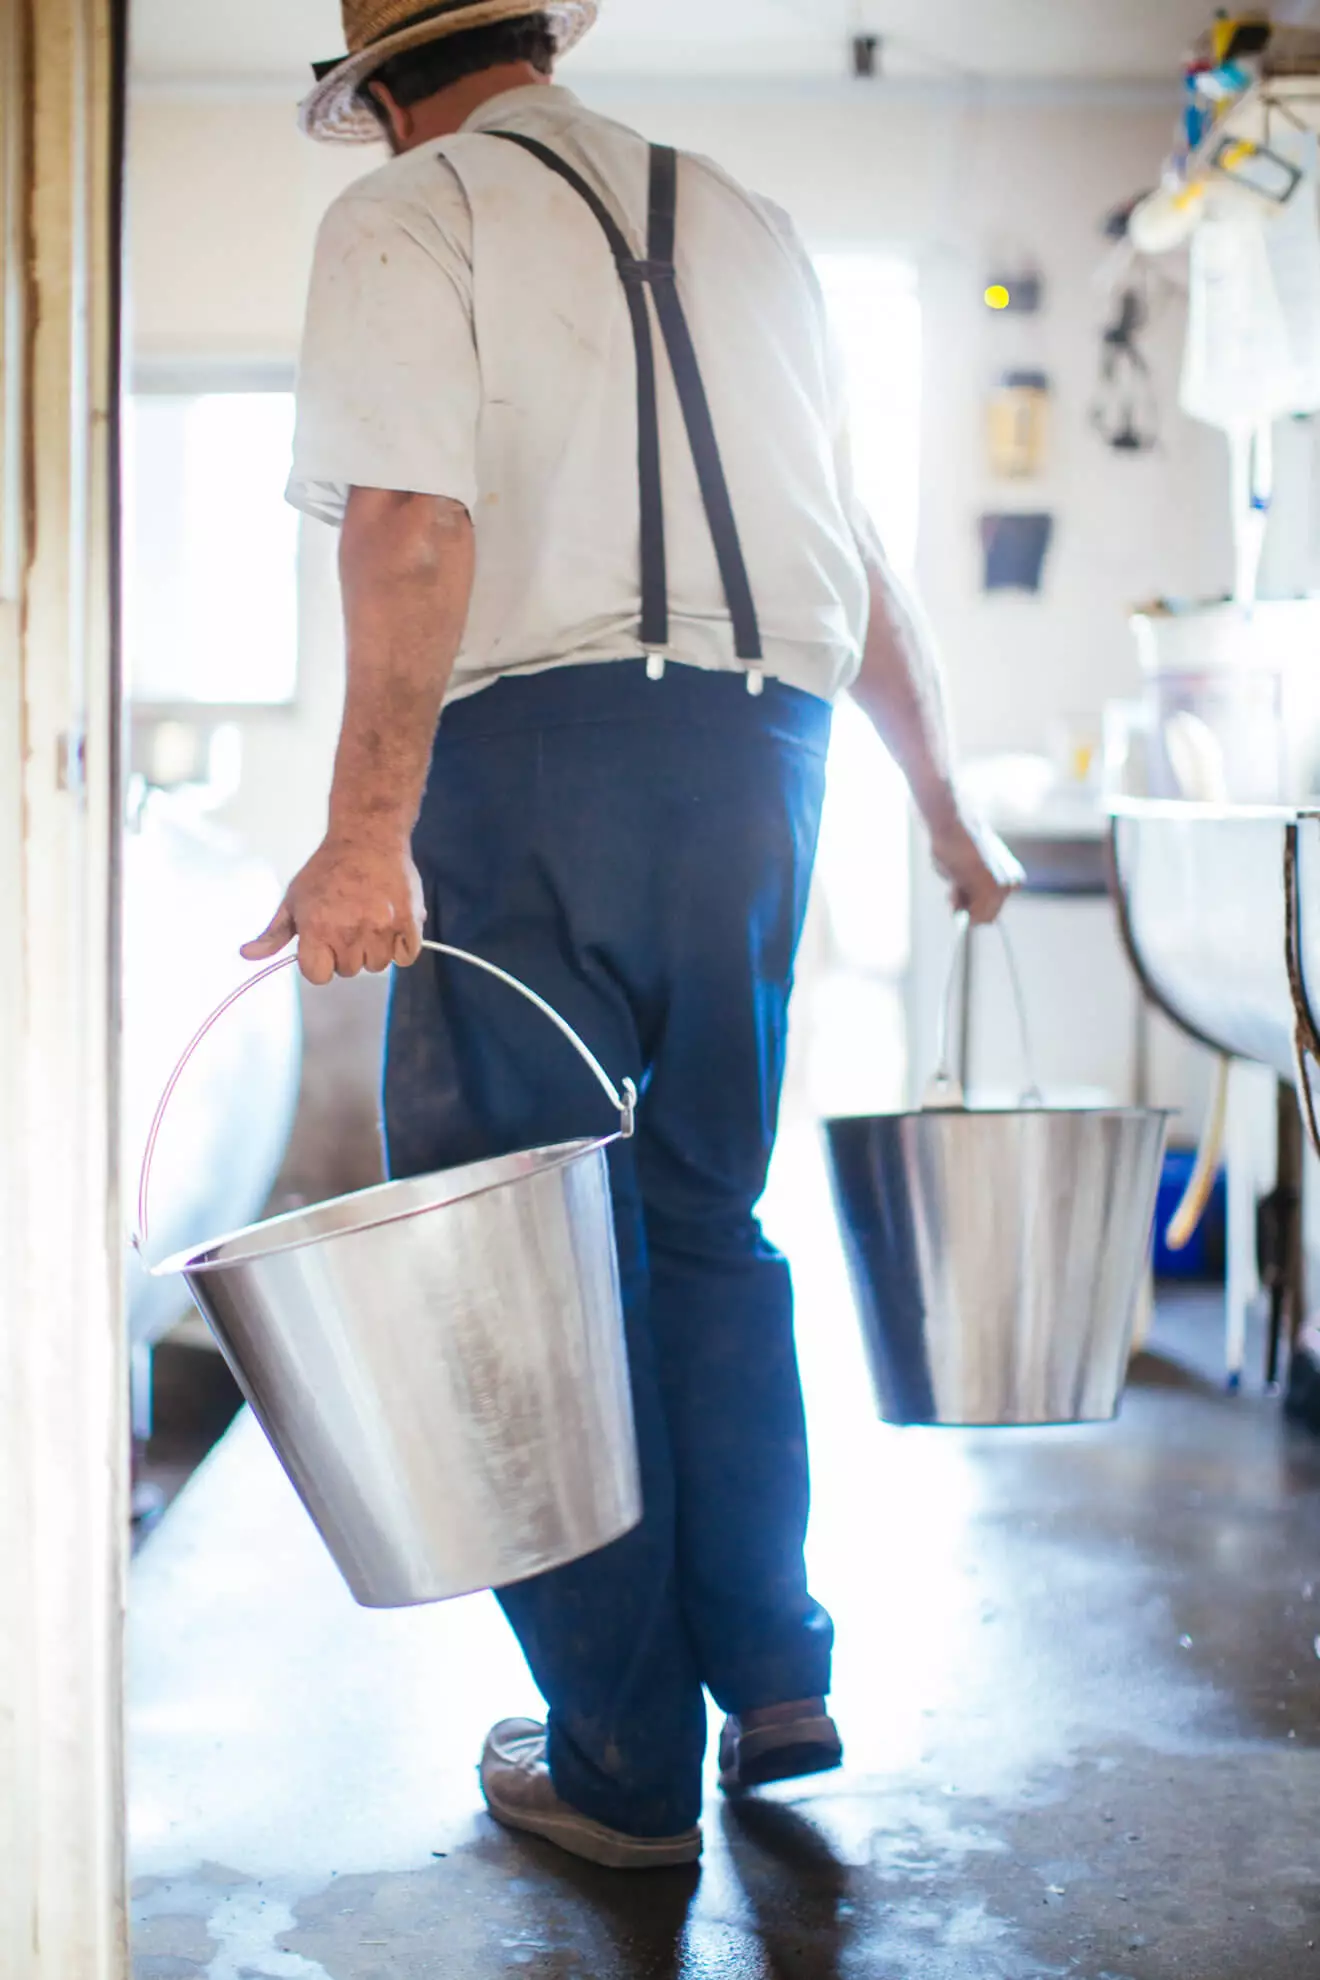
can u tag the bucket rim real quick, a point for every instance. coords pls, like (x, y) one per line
(200, 1260)
(1147, 1115)
(1003, 1425)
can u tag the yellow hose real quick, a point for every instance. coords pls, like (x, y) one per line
(1183, 1226)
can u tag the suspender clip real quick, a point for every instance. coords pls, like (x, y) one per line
(655, 666)
(755, 681)
(646, 273)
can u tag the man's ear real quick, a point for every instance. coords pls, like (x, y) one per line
(398, 121)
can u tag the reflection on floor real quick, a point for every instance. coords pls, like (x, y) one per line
(1078, 1673)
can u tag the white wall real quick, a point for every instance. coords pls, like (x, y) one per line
(225, 199)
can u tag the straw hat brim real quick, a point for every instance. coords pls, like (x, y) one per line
(332, 112)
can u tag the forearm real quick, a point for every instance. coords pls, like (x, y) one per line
(900, 689)
(406, 565)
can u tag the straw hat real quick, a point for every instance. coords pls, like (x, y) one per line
(375, 30)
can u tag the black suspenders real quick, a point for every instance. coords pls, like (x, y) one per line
(658, 274)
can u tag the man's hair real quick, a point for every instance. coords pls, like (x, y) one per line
(436, 65)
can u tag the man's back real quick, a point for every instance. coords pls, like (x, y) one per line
(468, 337)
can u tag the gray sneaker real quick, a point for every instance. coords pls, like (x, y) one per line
(521, 1795)
(784, 1744)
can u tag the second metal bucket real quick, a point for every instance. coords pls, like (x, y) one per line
(997, 1256)
(440, 1363)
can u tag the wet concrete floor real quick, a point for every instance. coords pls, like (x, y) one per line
(1079, 1674)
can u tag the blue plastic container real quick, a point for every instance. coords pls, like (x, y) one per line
(1204, 1256)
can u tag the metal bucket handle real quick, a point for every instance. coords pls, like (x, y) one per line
(625, 1101)
(945, 1091)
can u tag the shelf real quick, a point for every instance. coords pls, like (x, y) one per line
(1275, 103)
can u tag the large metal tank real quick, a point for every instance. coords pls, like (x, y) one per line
(1201, 895)
(191, 897)
(1223, 760)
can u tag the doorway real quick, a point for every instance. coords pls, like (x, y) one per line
(63, 1469)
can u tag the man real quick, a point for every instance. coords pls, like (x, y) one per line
(573, 404)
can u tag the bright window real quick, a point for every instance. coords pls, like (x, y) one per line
(211, 548)
(876, 313)
(851, 1019)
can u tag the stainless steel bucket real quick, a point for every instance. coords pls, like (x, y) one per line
(439, 1363)
(997, 1256)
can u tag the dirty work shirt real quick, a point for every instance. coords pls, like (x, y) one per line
(467, 336)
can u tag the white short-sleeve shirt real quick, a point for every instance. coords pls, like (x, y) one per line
(467, 336)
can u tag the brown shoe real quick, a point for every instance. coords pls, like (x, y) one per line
(521, 1795)
(783, 1743)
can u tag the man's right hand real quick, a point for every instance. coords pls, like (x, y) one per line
(981, 871)
(357, 904)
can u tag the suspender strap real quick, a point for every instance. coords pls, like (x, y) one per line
(696, 406)
(655, 577)
(663, 220)
(658, 272)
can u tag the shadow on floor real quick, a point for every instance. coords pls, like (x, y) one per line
(1159, 1371)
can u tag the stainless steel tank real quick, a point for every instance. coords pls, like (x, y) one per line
(191, 897)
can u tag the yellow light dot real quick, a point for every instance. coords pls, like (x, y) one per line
(997, 296)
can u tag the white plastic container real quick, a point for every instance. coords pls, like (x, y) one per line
(1233, 699)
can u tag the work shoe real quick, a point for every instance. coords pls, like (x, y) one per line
(515, 1780)
(783, 1743)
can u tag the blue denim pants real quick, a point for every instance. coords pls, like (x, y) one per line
(639, 853)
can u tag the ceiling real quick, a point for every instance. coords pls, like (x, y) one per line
(1064, 40)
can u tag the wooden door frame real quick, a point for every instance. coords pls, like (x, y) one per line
(63, 1384)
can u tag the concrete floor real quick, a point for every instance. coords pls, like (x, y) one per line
(1079, 1673)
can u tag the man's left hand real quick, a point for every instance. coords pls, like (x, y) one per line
(357, 904)
(981, 871)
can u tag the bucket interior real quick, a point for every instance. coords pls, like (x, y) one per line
(999, 1111)
(386, 1203)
